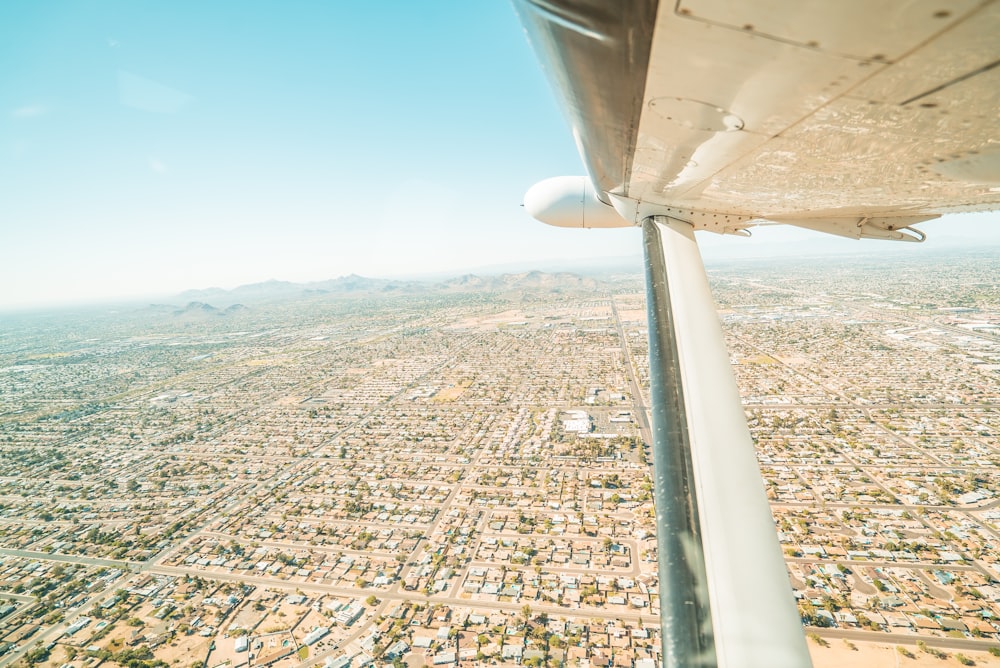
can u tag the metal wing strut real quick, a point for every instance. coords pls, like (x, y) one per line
(725, 598)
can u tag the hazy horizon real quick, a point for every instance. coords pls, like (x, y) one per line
(145, 154)
(772, 243)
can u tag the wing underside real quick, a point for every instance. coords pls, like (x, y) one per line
(780, 110)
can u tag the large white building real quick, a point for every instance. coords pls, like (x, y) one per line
(577, 421)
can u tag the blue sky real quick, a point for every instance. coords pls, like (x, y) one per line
(148, 148)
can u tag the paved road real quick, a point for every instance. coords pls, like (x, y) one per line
(860, 563)
(23, 598)
(969, 644)
(69, 558)
(419, 597)
(639, 407)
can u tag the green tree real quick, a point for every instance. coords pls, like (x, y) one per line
(37, 655)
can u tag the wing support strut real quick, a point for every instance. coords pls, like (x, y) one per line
(685, 616)
(725, 599)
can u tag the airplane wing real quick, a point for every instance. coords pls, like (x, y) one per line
(830, 113)
(859, 118)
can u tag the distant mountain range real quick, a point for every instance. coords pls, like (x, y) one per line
(195, 310)
(274, 290)
(198, 300)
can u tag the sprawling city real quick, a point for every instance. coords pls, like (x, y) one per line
(374, 472)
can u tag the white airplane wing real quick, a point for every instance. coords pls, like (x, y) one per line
(854, 117)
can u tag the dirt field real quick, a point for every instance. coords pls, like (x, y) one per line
(876, 655)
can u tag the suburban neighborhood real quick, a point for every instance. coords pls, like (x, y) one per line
(461, 475)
